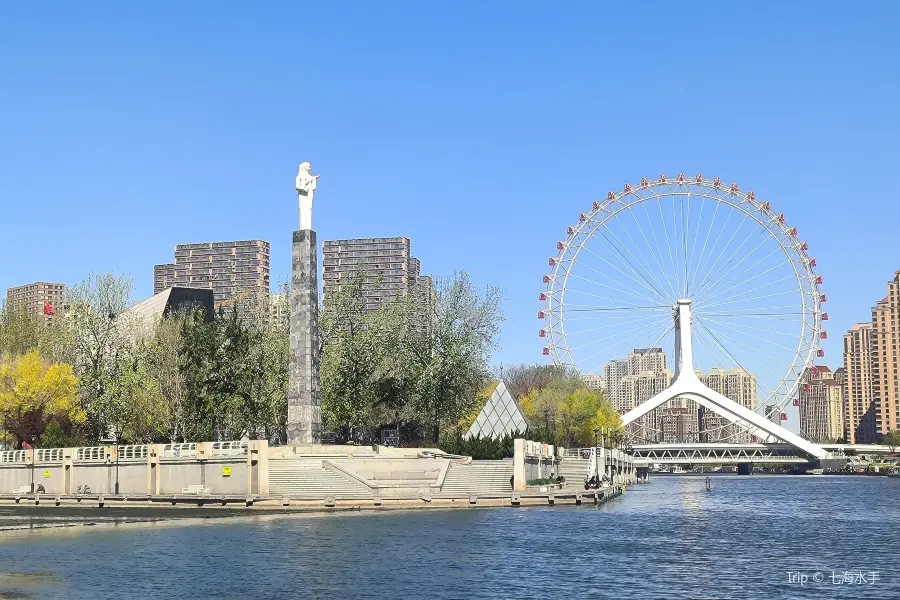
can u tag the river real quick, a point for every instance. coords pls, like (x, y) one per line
(756, 537)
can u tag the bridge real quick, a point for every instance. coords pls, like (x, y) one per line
(735, 454)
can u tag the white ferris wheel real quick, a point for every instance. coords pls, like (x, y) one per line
(727, 263)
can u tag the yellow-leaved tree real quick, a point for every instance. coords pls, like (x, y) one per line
(33, 394)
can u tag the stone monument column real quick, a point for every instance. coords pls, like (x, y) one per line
(304, 422)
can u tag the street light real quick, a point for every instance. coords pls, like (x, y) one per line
(116, 438)
(33, 458)
(596, 455)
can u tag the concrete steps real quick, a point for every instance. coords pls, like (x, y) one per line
(575, 470)
(304, 481)
(482, 478)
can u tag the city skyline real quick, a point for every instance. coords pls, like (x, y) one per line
(226, 192)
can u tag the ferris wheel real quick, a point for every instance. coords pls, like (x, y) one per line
(623, 269)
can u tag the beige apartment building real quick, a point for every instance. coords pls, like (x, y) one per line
(885, 371)
(735, 384)
(40, 298)
(386, 265)
(821, 405)
(235, 271)
(636, 379)
(594, 382)
(859, 410)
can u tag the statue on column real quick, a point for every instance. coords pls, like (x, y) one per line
(306, 187)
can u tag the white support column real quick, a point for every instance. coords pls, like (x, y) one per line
(688, 384)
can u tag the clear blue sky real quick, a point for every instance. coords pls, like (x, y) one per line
(478, 130)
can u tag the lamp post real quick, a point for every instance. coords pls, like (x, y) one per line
(116, 438)
(596, 454)
(33, 458)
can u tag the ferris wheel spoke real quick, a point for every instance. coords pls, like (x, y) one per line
(642, 325)
(618, 349)
(628, 291)
(754, 298)
(719, 295)
(656, 285)
(705, 258)
(645, 284)
(754, 352)
(747, 334)
(746, 270)
(712, 270)
(647, 327)
(657, 282)
(723, 274)
(710, 318)
(685, 234)
(585, 279)
(668, 252)
(574, 333)
(655, 248)
(595, 308)
(693, 244)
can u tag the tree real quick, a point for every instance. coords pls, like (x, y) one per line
(450, 343)
(98, 341)
(566, 412)
(349, 356)
(521, 379)
(34, 393)
(892, 439)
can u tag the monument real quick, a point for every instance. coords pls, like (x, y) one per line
(304, 419)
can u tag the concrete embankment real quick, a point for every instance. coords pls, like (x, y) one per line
(37, 512)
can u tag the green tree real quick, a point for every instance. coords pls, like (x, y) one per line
(99, 343)
(449, 343)
(892, 439)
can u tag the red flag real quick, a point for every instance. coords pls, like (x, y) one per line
(48, 310)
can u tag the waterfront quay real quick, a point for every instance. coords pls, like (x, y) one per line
(250, 476)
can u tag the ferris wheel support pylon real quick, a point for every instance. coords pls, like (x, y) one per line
(687, 384)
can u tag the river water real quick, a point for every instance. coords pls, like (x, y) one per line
(745, 539)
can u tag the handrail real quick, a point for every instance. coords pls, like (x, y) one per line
(135, 452)
(49, 455)
(233, 448)
(180, 450)
(90, 453)
(12, 456)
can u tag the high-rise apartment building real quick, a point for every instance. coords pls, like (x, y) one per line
(235, 271)
(636, 379)
(39, 298)
(385, 264)
(885, 371)
(735, 384)
(679, 424)
(821, 405)
(859, 410)
(594, 382)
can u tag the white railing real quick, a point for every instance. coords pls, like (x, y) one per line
(236, 448)
(90, 453)
(577, 453)
(180, 450)
(138, 452)
(12, 456)
(49, 455)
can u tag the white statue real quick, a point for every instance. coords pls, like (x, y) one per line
(306, 187)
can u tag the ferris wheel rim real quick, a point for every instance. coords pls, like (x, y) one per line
(774, 224)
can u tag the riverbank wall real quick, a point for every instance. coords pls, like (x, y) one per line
(250, 473)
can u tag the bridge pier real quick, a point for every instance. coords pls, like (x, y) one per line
(745, 469)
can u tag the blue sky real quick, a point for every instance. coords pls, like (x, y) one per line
(479, 130)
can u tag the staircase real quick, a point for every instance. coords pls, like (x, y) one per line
(308, 480)
(482, 478)
(575, 470)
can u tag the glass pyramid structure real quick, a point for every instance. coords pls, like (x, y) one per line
(501, 415)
